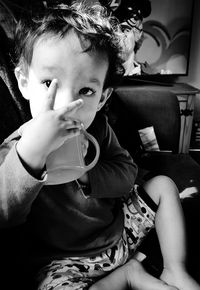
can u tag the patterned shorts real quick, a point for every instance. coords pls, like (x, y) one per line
(81, 272)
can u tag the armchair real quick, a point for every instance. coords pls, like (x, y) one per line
(129, 111)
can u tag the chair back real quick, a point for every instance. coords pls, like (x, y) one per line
(140, 108)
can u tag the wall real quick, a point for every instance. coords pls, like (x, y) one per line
(193, 77)
(167, 36)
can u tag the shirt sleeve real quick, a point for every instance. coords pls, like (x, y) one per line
(115, 173)
(18, 189)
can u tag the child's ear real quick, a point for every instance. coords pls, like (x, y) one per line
(22, 81)
(105, 96)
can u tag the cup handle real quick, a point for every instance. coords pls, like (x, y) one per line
(96, 145)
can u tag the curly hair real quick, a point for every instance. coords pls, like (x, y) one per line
(97, 31)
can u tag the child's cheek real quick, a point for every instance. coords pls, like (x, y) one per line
(87, 119)
(37, 101)
(87, 113)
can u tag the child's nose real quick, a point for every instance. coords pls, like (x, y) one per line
(63, 100)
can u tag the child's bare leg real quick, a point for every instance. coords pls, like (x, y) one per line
(170, 228)
(130, 276)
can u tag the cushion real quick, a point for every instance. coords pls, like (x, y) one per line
(182, 168)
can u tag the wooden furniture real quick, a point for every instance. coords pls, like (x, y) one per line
(186, 97)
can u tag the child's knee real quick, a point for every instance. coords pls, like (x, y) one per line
(160, 186)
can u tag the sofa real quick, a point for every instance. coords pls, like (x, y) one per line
(127, 112)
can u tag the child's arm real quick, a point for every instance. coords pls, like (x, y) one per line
(115, 173)
(18, 188)
(22, 160)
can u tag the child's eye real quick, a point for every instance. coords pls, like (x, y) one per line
(86, 91)
(47, 83)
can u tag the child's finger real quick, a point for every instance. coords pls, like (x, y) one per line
(84, 145)
(23, 127)
(71, 108)
(50, 96)
(70, 133)
(73, 124)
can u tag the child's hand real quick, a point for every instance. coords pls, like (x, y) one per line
(48, 131)
(84, 144)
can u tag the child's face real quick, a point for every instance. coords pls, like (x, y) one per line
(79, 75)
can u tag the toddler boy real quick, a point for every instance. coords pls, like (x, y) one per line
(68, 60)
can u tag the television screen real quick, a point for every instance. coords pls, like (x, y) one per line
(167, 35)
(162, 31)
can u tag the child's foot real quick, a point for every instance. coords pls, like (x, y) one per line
(180, 279)
(131, 276)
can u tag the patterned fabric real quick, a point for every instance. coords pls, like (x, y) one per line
(81, 272)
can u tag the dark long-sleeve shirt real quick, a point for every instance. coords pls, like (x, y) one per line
(60, 217)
